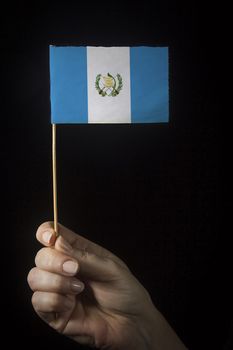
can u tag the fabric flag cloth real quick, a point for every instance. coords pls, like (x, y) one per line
(109, 84)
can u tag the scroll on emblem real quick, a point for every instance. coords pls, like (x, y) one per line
(108, 85)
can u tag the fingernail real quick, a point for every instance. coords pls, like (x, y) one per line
(70, 267)
(47, 235)
(77, 286)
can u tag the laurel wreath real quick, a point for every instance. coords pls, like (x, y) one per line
(115, 90)
(100, 91)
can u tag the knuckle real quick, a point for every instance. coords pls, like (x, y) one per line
(83, 254)
(35, 300)
(114, 267)
(42, 301)
(31, 278)
(40, 254)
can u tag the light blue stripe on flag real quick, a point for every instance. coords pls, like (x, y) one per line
(68, 76)
(149, 84)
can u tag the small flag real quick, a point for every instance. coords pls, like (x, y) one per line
(109, 84)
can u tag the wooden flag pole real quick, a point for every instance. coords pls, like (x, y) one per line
(54, 179)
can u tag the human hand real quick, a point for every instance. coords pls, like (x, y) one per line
(87, 293)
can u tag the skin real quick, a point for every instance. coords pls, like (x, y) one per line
(96, 300)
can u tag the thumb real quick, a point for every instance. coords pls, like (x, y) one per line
(46, 235)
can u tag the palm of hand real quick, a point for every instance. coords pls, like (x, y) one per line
(103, 315)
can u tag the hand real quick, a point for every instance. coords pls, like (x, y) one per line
(87, 293)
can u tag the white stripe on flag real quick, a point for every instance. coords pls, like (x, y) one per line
(108, 109)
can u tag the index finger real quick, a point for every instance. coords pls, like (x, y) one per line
(76, 241)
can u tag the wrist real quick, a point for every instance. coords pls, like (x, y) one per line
(157, 333)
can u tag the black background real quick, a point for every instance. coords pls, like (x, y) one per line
(149, 193)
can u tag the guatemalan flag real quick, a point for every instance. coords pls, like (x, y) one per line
(109, 84)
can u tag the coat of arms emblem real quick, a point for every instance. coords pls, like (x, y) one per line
(108, 85)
